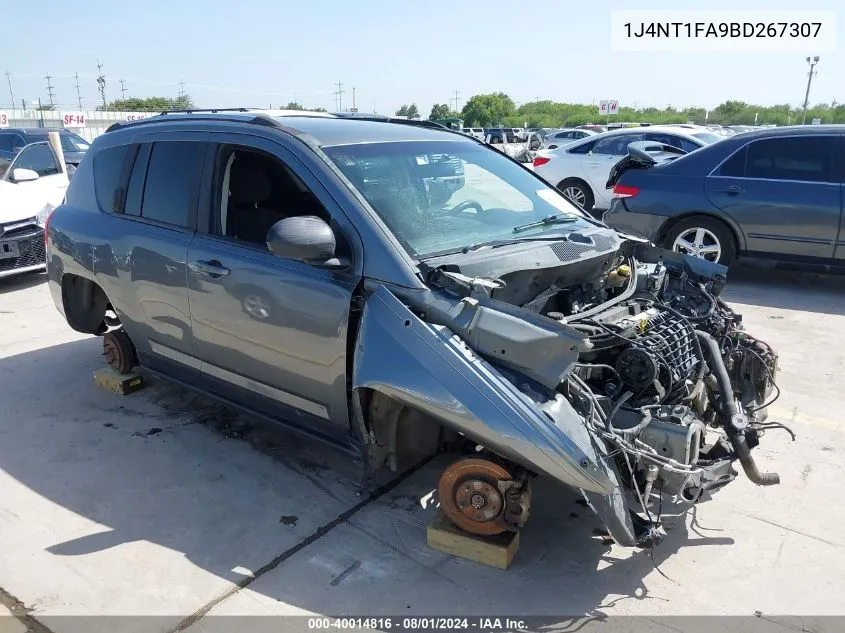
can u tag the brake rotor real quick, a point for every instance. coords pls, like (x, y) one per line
(470, 495)
(118, 351)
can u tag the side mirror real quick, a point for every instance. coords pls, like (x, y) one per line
(24, 175)
(306, 239)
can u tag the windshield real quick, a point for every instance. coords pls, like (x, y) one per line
(439, 196)
(707, 137)
(73, 143)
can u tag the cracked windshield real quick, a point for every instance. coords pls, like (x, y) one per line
(442, 196)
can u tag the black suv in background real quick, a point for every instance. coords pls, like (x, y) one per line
(496, 134)
(15, 138)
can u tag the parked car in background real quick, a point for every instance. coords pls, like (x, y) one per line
(559, 138)
(477, 132)
(774, 193)
(581, 169)
(598, 129)
(12, 140)
(496, 134)
(31, 186)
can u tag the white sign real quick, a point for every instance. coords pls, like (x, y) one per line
(608, 107)
(135, 117)
(815, 121)
(73, 119)
(4, 119)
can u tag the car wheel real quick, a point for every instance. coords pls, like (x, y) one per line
(578, 192)
(702, 237)
(552, 147)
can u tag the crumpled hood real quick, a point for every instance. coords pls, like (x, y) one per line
(20, 203)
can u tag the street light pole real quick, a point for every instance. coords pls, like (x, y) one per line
(812, 63)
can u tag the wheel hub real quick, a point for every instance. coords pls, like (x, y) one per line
(481, 497)
(699, 242)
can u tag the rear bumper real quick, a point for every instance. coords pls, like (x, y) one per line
(643, 225)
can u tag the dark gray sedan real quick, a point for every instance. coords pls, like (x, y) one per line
(774, 194)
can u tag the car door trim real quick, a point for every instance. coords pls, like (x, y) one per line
(260, 388)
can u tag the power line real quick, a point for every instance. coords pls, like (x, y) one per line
(50, 92)
(339, 96)
(78, 94)
(11, 94)
(122, 90)
(101, 83)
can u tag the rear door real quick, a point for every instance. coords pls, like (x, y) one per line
(142, 261)
(784, 193)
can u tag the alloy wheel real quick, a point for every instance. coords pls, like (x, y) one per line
(698, 242)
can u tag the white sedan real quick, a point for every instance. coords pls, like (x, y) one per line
(581, 169)
(31, 186)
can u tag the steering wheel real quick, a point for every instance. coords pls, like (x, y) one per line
(466, 204)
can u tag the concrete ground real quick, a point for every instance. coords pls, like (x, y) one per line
(161, 503)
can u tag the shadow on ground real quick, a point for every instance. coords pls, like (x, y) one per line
(21, 282)
(167, 467)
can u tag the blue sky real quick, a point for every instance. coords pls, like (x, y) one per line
(262, 52)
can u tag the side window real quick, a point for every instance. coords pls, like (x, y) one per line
(135, 186)
(616, 145)
(18, 142)
(734, 167)
(584, 148)
(666, 139)
(172, 181)
(108, 168)
(687, 146)
(253, 191)
(5, 142)
(808, 158)
(39, 158)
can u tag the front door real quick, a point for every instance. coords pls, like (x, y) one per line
(785, 194)
(601, 159)
(270, 333)
(49, 187)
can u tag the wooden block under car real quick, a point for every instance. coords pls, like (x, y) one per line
(495, 551)
(121, 384)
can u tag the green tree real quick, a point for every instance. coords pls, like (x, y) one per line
(410, 111)
(45, 107)
(488, 109)
(149, 104)
(439, 111)
(293, 105)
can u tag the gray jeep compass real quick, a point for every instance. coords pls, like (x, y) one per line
(384, 286)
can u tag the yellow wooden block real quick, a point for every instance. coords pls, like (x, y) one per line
(496, 551)
(121, 384)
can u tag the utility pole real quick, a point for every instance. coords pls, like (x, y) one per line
(50, 91)
(339, 94)
(78, 94)
(11, 94)
(181, 88)
(457, 97)
(354, 107)
(123, 90)
(812, 63)
(101, 83)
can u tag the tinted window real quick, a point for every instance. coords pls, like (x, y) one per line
(172, 181)
(135, 188)
(687, 146)
(39, 158)
(807, 158)
(616, 145)
(583, 148)
(5, 142)
(734, 167)
(108, 166)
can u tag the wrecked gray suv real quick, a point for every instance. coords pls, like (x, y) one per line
(390, 289)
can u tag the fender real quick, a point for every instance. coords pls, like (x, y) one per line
(429, 368)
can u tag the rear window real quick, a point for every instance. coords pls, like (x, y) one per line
(108, 165)
(172, 181)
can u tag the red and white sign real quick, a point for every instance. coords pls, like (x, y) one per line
(4, 119)
(73, 119)
(608, 107)
(135, 117)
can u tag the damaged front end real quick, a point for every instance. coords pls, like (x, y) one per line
(605, 363)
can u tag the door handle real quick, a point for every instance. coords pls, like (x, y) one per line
(212, 268)
(733, 190)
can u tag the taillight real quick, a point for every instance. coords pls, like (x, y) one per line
(541, 160)
(625, 191)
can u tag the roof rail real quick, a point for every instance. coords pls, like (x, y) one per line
(212, 110)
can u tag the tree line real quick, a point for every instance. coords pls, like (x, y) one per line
(166, 104)
(495, 109)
